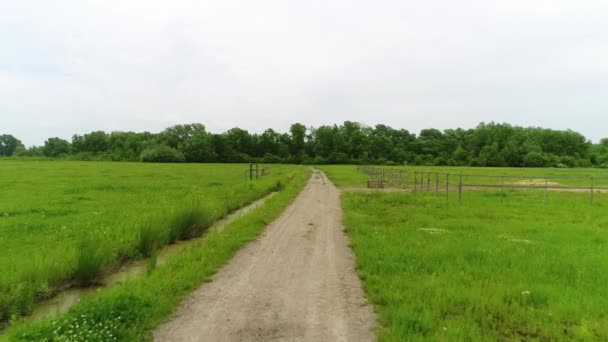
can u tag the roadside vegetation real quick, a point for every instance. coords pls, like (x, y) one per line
(64, 223)
(130, 311)
(482, 270)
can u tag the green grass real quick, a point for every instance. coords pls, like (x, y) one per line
(130, 311)
(65, 222)
(344, 175)
(348, 176)
(482, 271)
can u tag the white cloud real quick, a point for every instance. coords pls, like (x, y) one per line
(73, 66)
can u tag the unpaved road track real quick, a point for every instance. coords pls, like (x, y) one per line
(297, 282)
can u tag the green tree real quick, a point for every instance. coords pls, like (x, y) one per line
(534, 159)
(491, 156)
(297, 139)
(9, 145)
(55, 147)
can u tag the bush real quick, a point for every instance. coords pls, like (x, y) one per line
(161, 154)
(271, 159)
(534, 159)
(568, 160)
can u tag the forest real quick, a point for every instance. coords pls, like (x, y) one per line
(488, 144)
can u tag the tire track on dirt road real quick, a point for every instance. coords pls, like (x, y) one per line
(297, 282)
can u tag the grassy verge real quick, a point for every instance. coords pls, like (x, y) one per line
(482, 271)
(130, 311)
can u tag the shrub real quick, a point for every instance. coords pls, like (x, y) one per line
(534, 159)
(161, 154)
(271, 159)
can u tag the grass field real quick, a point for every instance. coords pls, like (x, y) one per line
(130, 311)
(62, 223)
(347, 176)
(481, 270)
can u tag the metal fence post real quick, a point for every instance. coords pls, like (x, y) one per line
(447, 187)
(460, 190)
(546, 188)
(428, 182)
(592, 191)
(422, 181)
(502, 189)
(437, 182)
(415, 181)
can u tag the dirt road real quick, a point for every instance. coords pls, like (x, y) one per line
(297, 282)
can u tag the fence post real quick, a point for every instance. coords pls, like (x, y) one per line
(422, 181)
(437, 182)
(250, 171)
(546, 188)
(256, 171)
(502, 189)
(592, 191)
(428, 183)
(460, 190)
(447, 187)
(415, 181)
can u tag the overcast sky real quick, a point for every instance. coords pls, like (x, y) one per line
(73, 66)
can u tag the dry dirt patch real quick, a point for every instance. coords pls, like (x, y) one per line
(535, 182)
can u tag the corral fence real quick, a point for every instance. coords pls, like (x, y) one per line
(446, 183)
(254, 171)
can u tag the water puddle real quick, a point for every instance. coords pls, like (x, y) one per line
(62, 302)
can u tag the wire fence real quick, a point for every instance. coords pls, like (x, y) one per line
(254, 171)
(443, 182)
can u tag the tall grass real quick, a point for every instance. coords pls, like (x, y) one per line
(48, 208)
(191, 221)
(92, 256)
(129, 312)
(150, 238)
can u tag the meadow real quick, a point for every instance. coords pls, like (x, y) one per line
(64, 223)
(347, 175)
(482, 270)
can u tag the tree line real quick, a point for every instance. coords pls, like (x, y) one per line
(488, 144)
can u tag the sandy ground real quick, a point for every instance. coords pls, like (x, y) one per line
(297, 282)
